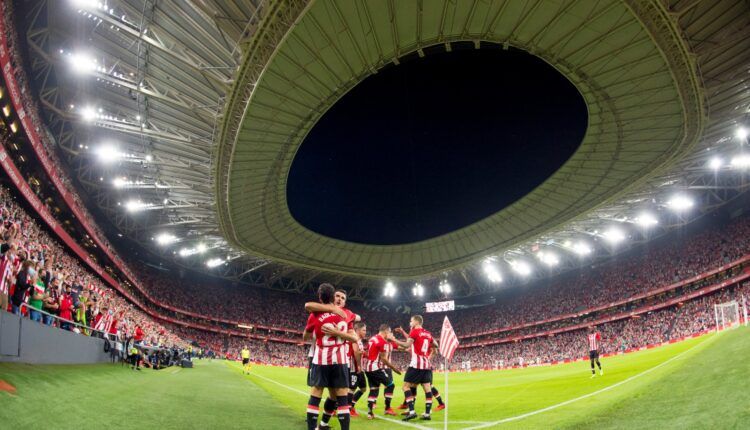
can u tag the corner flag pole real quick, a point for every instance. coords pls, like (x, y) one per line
(445, 417)
(448, 345)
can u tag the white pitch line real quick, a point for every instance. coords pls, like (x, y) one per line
(585, 396)
(407, 424)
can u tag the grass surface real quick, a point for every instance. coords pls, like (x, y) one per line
(699, 383)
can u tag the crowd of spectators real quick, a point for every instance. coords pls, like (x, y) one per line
(39, 275)
(653, 328)
(40, 279)
(31, 107)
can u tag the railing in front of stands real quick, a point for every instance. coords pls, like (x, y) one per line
(52, 319)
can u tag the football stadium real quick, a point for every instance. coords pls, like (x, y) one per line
(371, 214)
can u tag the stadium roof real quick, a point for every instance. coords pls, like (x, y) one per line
(210, 100)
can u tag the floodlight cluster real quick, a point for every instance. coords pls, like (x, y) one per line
(137, 205)
(165, 239)
(417, 290)
(444, 287)
(491, 271)
(389, 290)
(214, 262)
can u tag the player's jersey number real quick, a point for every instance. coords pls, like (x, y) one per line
(334, 340)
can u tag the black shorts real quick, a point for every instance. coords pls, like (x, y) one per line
(309, 367)
(357, 380)
(593, 355)
(418, 376)
(329, 376)
(245, 361)
(379, 377)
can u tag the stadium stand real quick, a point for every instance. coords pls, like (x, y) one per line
(659, 293)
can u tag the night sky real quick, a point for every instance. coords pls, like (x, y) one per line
(434, 144)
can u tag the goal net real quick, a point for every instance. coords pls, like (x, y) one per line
(727, 315)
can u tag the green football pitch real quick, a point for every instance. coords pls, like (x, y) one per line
(699, 383)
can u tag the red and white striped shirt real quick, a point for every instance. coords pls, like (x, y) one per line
(355, 366)
(328, 349)
(375, 346)
(420, 348)
(6, 269)
(594, 339)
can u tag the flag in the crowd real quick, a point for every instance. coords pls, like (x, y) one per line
(448, 340)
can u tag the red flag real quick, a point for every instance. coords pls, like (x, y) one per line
(448, 340)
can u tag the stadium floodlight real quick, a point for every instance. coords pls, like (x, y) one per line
(742, 133)
(418, 290)
(548, 258)
(715, 163)
(107, 153)
(680, 203)
(521, 267)
(445, 287)
(214, 262)
(186, 252)
(136, 206)
(646, 220)
(741, 161)
(165, 239)
(88, 114)
(492, 272)
(389, 290)
(120, 182)
(201, 248)
(581, 248)
(82, 63)
(614, 235)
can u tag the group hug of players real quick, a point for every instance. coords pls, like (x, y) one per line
(343, 364)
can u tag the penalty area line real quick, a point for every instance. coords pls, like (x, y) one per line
(308, 394)
(585, 396)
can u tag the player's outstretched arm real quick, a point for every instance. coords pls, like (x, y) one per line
(384, 360)
(330, 331)
(406, 344)
(313, 307)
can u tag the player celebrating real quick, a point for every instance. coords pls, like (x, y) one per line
(339, 307)
(245, 360)
(421, 343)
(356, 368)
(329, 367)
(378, 368)
(594, 338)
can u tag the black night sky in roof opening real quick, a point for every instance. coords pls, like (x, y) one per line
(434, 144)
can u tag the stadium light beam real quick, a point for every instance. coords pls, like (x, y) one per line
(165, 239)
(82, 63)
(88, 114)
(742, 133)
(581, 249)
(445, 287)
(521, 267)
(417, 290)
(136, 206)
(715, 163)
(680, 203)
(107, 153)
(646, 220)
(548, 258)
(214, 262)
(389, 290)
(614, 235)
(491, 271)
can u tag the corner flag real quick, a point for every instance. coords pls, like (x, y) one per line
(448, 345)
(448, 340)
